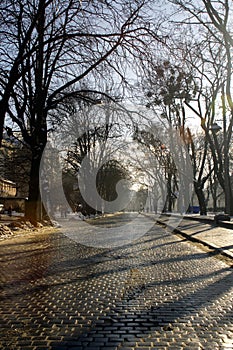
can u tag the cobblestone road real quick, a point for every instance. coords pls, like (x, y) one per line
(157, 293)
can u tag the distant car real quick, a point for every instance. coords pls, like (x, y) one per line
(1, 208)
(194, 209)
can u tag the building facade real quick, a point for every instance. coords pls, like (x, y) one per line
(7, 188)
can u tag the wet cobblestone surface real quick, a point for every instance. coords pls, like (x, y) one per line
(160, 292)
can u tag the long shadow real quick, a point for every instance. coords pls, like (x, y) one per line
(200, 231)
(25, 243)
(51, 241)
(130, 325)
(27, 254)
(57, 236)
(118, 319)
(227, 247)
(40, 273)
(69, 281)
(98, 258)
(193, 224)
(109, 255)
(7, 242)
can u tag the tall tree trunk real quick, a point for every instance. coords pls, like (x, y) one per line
(39, 137)
(169, 193)
(215, 206)
(201, 199)
(33, 210)
(228, 195)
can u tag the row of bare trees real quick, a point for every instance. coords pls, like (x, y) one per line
(53, 52)
(196, 83)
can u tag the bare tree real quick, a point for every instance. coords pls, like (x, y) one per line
(49, 50)
(167, 85)
(157, 164)
(213, 63)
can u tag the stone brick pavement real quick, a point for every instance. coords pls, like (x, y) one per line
(159, 292)
(217, 237)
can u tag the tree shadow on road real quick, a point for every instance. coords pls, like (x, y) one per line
(162, 309)
(156, 288)
(131, 323)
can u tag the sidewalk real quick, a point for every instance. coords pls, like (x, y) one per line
(203, 230)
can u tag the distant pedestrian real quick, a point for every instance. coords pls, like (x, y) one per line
(9, 211)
